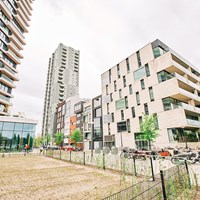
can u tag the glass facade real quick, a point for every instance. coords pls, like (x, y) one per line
(14, 135)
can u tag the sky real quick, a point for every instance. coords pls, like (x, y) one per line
(105, 32)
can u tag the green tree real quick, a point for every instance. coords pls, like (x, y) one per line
(59, 138)
(149, 129)
(76, 136)
(38, 141)
(47, 138)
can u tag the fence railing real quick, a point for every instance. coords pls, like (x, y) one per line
(173, 183)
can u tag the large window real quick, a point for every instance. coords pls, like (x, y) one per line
(121, 126)
(142, 84)
(158, 51)
(170, 103)
(164, 75)
(120, 104)
(138, 98)
(151, 95)
(130, 89)
(138, 74)
(139, 59)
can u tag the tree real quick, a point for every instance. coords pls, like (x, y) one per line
(47, 139)
(149, 129)
(76, 136)
(59, 138)
(38, 141)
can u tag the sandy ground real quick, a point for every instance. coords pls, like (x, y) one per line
(37, 177)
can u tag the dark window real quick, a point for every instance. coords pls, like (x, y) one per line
(164, 75)
(140, 120)
(147, 69)
(118, 71)
(142, 84)
(97, 112)
(127, 65)
(130, 89)
(133, 111)
(146, 110)
(128, 125)
(138, 59)
(151, 94)
(126, 102)
(107, 108)
(111, 98)
(115, 86)
(124, 81)
(108, 128)
(122, 115)
(120, 93)
(106, 89)
(121, 126)
(109, 75)
(113, 117)
(138, 98)
(158, 51)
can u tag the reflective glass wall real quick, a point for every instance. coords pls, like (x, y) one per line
(14, 135)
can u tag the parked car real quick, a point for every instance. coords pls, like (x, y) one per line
(68, 148)
(53, 147)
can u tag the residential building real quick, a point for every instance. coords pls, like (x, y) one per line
(66, 118)
(62, 83)
(157, 81)
(14, 22)
(87, 124)
(16, 131)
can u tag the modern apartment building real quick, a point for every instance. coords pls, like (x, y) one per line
(66, 117)
(14, 21)
(154, 80)
(62, 83)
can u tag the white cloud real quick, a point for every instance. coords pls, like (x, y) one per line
(105, 32)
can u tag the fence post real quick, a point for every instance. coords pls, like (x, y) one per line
(134, 165)
(104, 167)
(152, 172)
(70, 156)
(84, 157)
(163, 185)
(188, 174)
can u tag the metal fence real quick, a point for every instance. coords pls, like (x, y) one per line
(168, 185)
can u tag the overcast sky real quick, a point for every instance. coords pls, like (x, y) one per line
(105, 32)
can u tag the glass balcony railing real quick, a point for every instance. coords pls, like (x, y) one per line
(6, 78)
(4, 98)
(8, 69)
(193, 122)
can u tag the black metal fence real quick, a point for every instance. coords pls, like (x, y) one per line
(168, 185)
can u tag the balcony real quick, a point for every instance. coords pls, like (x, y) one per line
(26, 7)
(7, 81)
(17, 33)
(23, 17)
(193, 122)
(14, 49)
(190, 108)
(11, 55)
(9, 72)
(5, 100)
(16, 41)
(6, 10)
(21, 22)
(188, 95)
(21, 6)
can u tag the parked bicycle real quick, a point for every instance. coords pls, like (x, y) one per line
(133, 154)
(196, 158)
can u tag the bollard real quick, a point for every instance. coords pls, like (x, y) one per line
(84, 158)
(163, 185)
(152, 171)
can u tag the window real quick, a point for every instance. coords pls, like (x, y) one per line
(156, 124)
(146, 110)
(128, 125)
(138, 98)
(130, 89)
(118, 71)
(107, 108)
(122, 115)
(147, 69)
(127, 65)
(121, 126)
(120, 93)
(138, 59)
(158, 51)
(113, 117)
(140, 120)
(124, 81)
(133, 112)
(115, 86)
(139, 73)
(108, 128)
(120, 104)
(109, 75)
(151, 94)
(111, 97)
(126, 102)
(164, 75)
(97, 102)
(106, 89)
(142, 84)
(97, 112)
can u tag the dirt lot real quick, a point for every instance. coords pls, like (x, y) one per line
(37, 177)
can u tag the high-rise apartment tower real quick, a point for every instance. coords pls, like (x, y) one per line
(62, 83)
(14, 20)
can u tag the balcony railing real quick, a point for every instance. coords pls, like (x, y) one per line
(8, 79)
(4, 98)
(193, 122)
